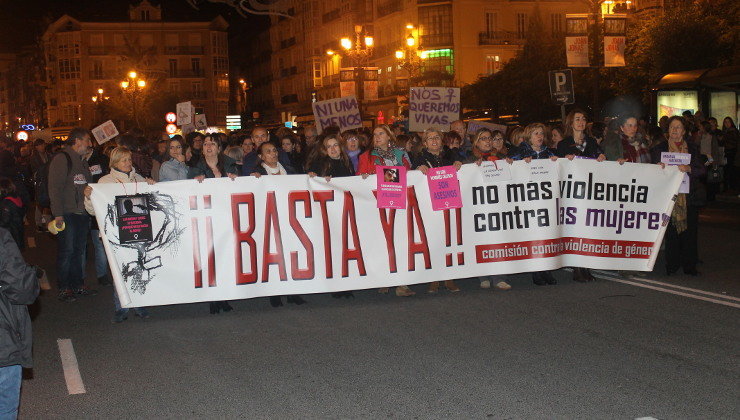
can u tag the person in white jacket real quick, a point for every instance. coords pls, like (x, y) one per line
(121, 171)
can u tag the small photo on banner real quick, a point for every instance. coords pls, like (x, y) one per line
(444, 188)
(391, 187)
(134, 219)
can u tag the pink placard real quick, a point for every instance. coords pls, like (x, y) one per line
(444, 189)
(391, 187)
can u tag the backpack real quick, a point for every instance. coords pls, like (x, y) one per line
(41, 179)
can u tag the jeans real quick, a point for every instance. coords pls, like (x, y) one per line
(117, 305)
(101, 261)
(71, 244)
(10, 391)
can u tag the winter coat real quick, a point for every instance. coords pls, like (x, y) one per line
(568, 147)
(19, 287)
(11, 218)
(368, 161)
(226, 165)
(173, 170)
(117, 176)
(697, 177)
(525, 150)
(66, 188)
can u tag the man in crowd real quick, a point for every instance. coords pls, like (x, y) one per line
(259, 136)
(461, 128)
(19, 287)
(69, 174)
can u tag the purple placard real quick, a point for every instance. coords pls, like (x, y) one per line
(444, 189)
(391, 187)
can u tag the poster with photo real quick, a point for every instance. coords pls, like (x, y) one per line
(391, 187)
(134, 219)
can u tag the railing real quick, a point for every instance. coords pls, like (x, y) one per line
(183, 50)
(97, 75)
(285, 43)
(500, 38)
(330, 16)
(186, 73)
(436, 40)
(105, 50)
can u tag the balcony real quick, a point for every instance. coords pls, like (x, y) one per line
(186, 73)
(436, 40)
(289, 71)
(105, 50)
(285, 43)
(182, 50)
(388, 7)
(195, 94)
(330, 16)
(97, 75)
(500, 38)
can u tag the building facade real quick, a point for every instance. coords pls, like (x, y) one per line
(456, 40)
(188, 60)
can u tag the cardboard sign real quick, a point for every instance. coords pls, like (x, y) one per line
(342, 112)
(433, 107)
(496, 171)
(679, 159)
(105, 132)
(391, 187)
(200, 122)
(185, 113)
(134, 219)
(543, 170)
(444, 188)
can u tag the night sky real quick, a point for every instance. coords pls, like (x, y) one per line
(23, 21)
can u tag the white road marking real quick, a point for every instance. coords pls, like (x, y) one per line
(675, 286)
(31, 242)
(70, 366)
(675, 292)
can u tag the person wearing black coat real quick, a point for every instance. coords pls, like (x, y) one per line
(11, 211)
(19, 287)
(578, 143)
(433, 155)
(99, 167)
(268, 164)
(213, 164)
(332, 161)
(681, 237)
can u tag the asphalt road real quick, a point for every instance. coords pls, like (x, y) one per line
(605, 349)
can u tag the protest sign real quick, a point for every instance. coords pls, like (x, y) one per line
(679, 159)
(444, 188)
(200, 122)
(281, 235)
(496, 171)
(391, 187)
(185, 113)
(433, 107)
(342, 112)
(105, 132)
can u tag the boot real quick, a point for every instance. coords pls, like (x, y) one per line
(225, 306)
(276, 301)
(213, 308)
(587, 274)
(433, 287)
(548, 277)
(578, 275)
(295, 299)
(404, 291)
(538, 279)
(451, 286)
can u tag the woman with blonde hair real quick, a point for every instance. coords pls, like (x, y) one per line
(121, 171)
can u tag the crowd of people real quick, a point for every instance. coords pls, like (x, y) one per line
(54, 177)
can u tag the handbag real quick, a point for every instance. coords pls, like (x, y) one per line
(715, 175)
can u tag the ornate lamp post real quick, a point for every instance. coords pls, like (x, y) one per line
(133, 86)
(410, 56)
(359, 53)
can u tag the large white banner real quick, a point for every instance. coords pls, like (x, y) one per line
(280, 235)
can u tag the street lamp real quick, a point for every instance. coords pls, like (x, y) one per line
(410, 56)
(359, 53)
(97, 101)
(133, 86)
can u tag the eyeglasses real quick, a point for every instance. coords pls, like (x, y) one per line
(485, 138)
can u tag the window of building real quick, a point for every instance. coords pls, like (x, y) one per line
(145, 15)
(521, 25)
(195, 65)
(197, 89)
(69, 68)
(439, 60)
(97, 71)
(493, 64)
(220, 66)
(69, 92)
(491, 22)
(70, 114)
(173, 86)
(173, 67)
(218, 43)
(436, 22)
(557, 23)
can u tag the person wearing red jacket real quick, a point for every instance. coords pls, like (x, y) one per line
(383, 152)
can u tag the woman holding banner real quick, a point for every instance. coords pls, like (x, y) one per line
(433, 155)
(212, 164)
(484, 150)
(627, 144)
(681, 235)
(533, 147)
(332, 161)
(269, 164)
(174, 167)
(121, 171)
(384, 154)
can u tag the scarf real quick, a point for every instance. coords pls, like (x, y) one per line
(354, 157)
(679, 215)
(274, 171)
(387, 155)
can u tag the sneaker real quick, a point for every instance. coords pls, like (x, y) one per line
(142, 313)
(66, 296)
(404, 291)
(85, 291)
(120, 316)
(502, 285)
(485, 284)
